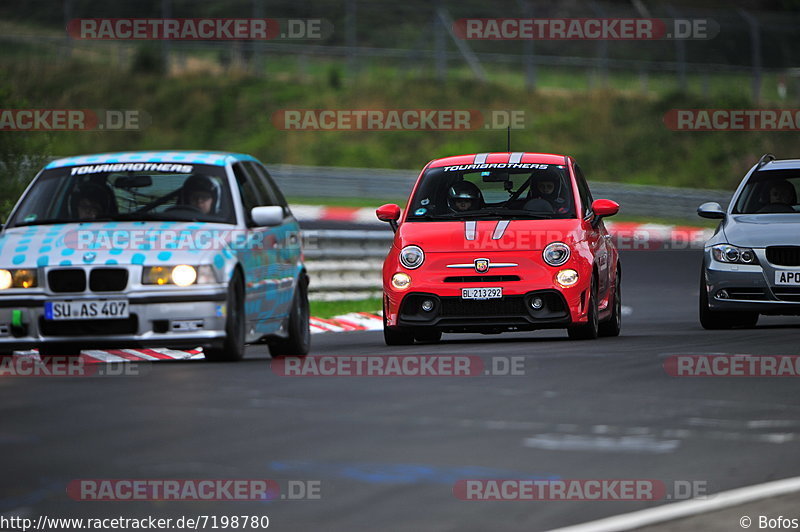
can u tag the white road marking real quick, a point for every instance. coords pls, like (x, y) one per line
(683, 509)
(622, 444)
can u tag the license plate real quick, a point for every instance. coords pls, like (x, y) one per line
(481, 293)
(787, 278)
(86, 310)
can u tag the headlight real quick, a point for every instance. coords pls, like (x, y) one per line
(556, 254)
(412, 257)
(567, 277)
(401, 281)
(733, 254)
(18, 279)
(182, 275)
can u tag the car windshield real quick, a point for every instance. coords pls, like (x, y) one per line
(540, 191)
(131, 191)
(769, 192)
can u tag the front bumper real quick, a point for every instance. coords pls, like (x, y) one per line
(511, 313)
(185, 318)
(749, 287)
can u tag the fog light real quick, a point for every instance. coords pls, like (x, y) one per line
(567, 277)
(401, 281)
(427, 305)
(537, 303)
(722, 294)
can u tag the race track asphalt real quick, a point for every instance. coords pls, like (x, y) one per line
(386, 452)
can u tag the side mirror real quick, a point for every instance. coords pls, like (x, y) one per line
(605, 207)
(389, 213)
(712, 210)
(267, 216)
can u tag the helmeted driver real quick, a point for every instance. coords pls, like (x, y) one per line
(464, 196)
(547, 186)
(200, 192)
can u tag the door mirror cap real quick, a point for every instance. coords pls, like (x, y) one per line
(711, 210)
(267, 216)
(605, 207)
(388, 213)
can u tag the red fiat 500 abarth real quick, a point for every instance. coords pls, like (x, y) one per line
(496, 242)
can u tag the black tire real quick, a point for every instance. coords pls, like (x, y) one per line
(720, 320)
(59, 350)
(613, 324)
(298, 343)
(235, 326)
(590, 329)
(396, 335)
(428, 336)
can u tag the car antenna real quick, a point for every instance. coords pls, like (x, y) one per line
(508, 138)
(767, 157)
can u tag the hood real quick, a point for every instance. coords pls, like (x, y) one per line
(113, 243)
(761, 230)
(494, 235)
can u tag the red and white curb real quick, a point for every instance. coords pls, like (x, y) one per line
(354, 321)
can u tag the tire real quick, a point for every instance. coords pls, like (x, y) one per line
(719, 320)
(396, 335)
(612, 326)
(235, 324)
(590, 329)
(298, 343)
(429, 336)
(59, 350)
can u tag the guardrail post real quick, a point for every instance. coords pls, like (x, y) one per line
(755, 52)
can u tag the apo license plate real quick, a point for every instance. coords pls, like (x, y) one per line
(481, 293)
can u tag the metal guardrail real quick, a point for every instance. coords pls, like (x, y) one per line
(378, 183)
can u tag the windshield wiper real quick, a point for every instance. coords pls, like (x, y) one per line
(51, 221)
(154, 216)
(502, 213)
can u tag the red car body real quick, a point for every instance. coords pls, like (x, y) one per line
(502, 252)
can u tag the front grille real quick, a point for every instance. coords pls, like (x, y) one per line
(481, 279)
(786, 293)
(507, 306)
(108, 280)
(67, 280)
(89, 327)
(784, 255)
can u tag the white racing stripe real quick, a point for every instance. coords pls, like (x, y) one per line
(680, 510)
(470, 229)
(515, 157)
(500, 229)
(480, 158)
